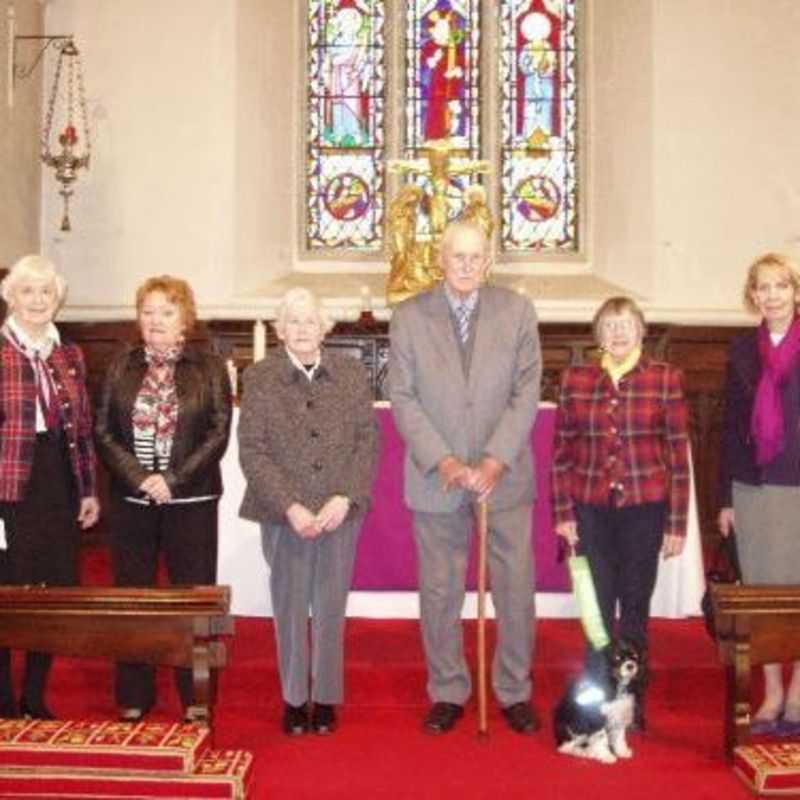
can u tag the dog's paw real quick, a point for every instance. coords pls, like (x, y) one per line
(623, 752)
(606, 758)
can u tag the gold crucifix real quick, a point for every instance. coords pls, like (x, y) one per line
(415, 263)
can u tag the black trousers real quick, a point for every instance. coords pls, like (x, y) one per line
(623, 546)
(186, 534)
(43, 541)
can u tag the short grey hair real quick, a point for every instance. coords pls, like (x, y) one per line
(297, 297)
(34, 267)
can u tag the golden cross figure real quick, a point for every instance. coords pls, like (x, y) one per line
(415, 264)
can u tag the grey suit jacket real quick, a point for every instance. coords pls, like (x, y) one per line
(439, 410)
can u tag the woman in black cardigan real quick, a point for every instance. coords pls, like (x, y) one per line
(162, 429)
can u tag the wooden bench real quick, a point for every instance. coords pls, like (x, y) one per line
(754, 625)
(175, 626)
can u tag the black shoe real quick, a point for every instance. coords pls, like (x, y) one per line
(295, 720)
(34, 710)
(442, 717)
(323, 719)
(521, 718)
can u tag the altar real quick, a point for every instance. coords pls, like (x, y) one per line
(384, 580)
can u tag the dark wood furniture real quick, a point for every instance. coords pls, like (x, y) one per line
(755, 625)
(178, 627)
(700, 351)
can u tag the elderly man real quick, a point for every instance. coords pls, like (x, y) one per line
(464, 376)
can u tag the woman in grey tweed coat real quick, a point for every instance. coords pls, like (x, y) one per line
(308, 447)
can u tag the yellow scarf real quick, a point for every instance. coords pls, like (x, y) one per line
(616, 371)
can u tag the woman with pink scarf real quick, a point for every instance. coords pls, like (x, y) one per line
(760, 458)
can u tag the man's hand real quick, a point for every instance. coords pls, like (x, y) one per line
(303, 522)
(332, 514)
(454, 473)
(485, 477)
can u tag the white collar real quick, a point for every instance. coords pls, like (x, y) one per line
(308, 371)
(51, 337)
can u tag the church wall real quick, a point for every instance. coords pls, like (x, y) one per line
(727, 153)
(160, 195)
(195, 107)
(19, 141)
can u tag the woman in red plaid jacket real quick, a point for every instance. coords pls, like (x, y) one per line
(621, 467)
(47, 459)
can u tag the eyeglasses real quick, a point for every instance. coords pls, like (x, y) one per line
(618, 325)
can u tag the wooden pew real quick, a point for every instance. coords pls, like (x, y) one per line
(175, 626)
(755, 625)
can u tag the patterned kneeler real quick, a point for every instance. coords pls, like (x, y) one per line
(769, 769)
(114, 759)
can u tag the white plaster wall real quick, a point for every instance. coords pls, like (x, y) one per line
(160, 79)
(727, 150)
(19, 139)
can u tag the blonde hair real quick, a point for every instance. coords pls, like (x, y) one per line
(299, 296)
(177, 291)
(617, 305)
(772, 261)
(34, 267)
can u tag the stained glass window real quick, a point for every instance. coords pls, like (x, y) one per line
(345, 137)
(539, 125)
(442, 85)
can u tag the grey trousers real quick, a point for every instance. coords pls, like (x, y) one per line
(310, 575)
(442, 551)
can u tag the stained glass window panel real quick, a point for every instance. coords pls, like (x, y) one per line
(442, 85)
(346, 72)
(539, 188)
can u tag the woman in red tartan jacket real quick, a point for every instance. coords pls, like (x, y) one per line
(621, 468)
(47, 458)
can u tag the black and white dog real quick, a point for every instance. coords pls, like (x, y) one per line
(593, 716)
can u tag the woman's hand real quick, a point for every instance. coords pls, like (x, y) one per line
(568, 531)
(303, 522)
(332, 514)
(156, 488)
(672, 545)
(89, 512)
(725, 522)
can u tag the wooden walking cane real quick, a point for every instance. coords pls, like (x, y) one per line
(483, 727)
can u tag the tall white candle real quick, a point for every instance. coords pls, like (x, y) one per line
(259, 340)
(366, 299)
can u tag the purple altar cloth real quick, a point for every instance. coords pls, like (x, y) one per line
(386, 555)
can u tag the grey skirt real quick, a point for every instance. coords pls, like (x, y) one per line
(768, 532)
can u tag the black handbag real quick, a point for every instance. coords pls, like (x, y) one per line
(724, 568)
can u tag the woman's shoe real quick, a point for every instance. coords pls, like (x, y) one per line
(36, 710)
(132, 714)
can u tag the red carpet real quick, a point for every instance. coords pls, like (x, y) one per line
(380, 752)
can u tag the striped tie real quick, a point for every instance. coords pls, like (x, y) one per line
(462, 317)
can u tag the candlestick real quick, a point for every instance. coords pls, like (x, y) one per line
(259, 340)
(366, 299)
(232, 375)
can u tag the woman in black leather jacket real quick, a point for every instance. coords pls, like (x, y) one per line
(162, 428)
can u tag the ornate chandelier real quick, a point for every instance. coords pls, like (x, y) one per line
(66, 107)
(74, 154)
